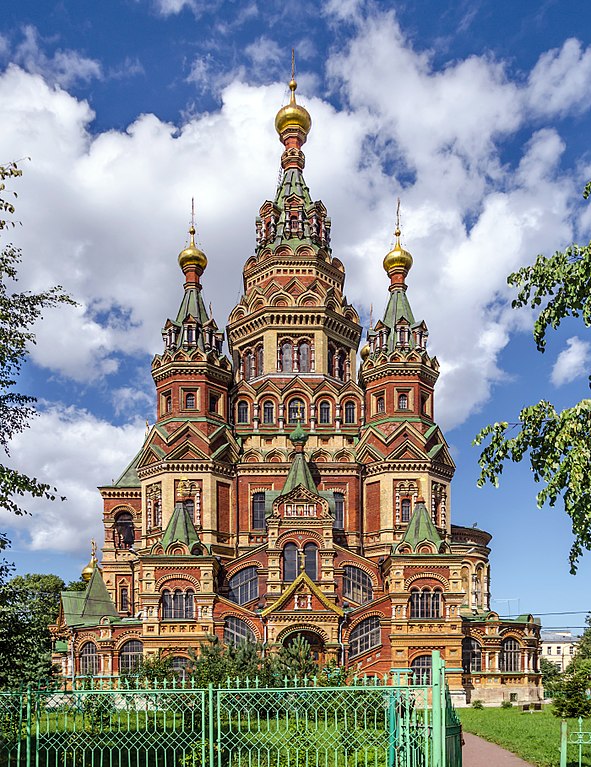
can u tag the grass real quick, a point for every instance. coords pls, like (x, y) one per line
(534, 737)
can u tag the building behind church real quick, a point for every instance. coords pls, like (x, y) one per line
(285, 492)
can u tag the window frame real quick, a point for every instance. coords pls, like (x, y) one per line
(357, 585)
(237, 631)
(88, 659)
(339, 511)
(350, 412)
(244, 585)
(130, 655)
(242, 412)
(258, 511)
(324, 412)
(367, 635)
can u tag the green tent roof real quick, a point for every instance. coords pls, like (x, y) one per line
(180, 529)
(86, 608)
(299, 474)
(421, 528)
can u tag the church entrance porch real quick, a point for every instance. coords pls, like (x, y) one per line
(315, 641)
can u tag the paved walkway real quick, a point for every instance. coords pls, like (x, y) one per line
(480, 753)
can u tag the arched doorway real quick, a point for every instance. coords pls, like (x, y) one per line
(312, 638)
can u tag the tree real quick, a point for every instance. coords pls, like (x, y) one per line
(571, 692)
(18, 314)
(550, 674)
(556, 443)
(28, 605)
(295, 660)
(583, 651)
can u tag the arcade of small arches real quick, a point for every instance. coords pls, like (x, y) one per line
(271, 411)
(295, 355)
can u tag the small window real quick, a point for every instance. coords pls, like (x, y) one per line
(244, 586)
(190, 401)
(380, 405)
(324, 412)
(405, 510)
(268, 412)
(214, 400)
(421, 668)
(290, 562)
(259, 521)
(89, 660)
(304, 357)
(124, 530)
(296, 411)
(286, 357)
(339, 511)
(403, 402)
(349, 412)
(123, 599)
(242, 412)
(237, 631)
(311, 561)
(130, 656)
(167, 403)
(365, 636)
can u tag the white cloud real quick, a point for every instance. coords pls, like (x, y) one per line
(173, 7)
(64, 68)
(572, 362)
(75, 452)
(264, 52)
(559, 82)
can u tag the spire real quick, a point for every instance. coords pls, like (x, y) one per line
(180, 529)
(398, 262)
(299, 472)
(192, 260)
(293, 123)
(91, 566)
(421, 528)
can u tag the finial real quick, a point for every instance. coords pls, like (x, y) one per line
(147, 428)
(210, 311)
(371, 316)
(398, 260)
(192, 227)
(93, 548)
(293, 116)
(192, 256)
(292, 83)
(397, 231)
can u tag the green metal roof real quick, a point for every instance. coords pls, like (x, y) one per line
(180, 529)
(421, 528)
(129, 477)
(299, 474)
(86, 608)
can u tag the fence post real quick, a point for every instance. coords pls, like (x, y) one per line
(211, 724)
(563, 740)
(29, 729)
(437, 681)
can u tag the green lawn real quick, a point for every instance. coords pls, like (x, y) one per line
(534, 737)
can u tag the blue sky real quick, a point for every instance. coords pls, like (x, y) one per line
(477, 114)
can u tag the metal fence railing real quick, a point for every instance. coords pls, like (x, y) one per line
(118, 723)
(573, 742)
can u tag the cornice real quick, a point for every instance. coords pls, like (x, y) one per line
(119, 493)
(182, 467)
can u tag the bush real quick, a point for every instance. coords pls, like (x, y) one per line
(506, 704)
(477, 704)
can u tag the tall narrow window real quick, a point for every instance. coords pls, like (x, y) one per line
(88, 659)
(189, 507)
(123, 599)
(268, 412)
(349, 412)
(510, 656)
(290, 562)
(166, 601)
(189, 606)
(380, 405)
(157, 513)
(190, 401)
(286, 357)
(405, 510)
(304, 357)
(311, 561)
(242, 412)
(247, 366)
(178, 604)
(339, 511)
(324, 411)
(471, 656)
(259, 361)
(339, 365)
(124, 530)
(258, 511)
(296, 411)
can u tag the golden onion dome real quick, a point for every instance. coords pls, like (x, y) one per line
(89, 569)
(192, 256)
(398, 257)
(293, 115)
(365, 351)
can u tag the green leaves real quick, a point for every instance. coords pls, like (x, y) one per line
(556, 444)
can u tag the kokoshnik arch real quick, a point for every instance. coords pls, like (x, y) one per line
(283, 493)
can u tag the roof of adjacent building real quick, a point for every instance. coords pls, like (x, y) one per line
(86, 608)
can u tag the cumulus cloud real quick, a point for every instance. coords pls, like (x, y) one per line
(559, 82)
(572, 362)
(75, 451)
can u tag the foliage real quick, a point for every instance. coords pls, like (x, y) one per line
(477, 704)
(550, 674)
(157, 668)
(571, 693)
(584, 643)
(18, 314)
(556, 443)
(506, 704)
(295, 660)
(332, 675)
(28, 605)
(535, 737)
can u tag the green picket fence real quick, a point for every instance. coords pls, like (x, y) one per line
(575, 742)
(111, 723)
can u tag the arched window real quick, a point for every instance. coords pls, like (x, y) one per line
(179, 668)
(244, 586)
(471, 655)
(130, 656)
(311, 561)
(403, 402)
(357, 585)
(259, 361)
(510, 656)
(88, 659)
(124, 530)
(178, 604)
(296, 410)
(339, 511)
(247, 365)
(339, 365)
(324, 411)
(349, 412)
(421, 667)
(268, 411)
(259, 521)
(237, 631)
(381, 405)
(365, 636)
(286, 357)
(304, 357)
(157, 513)
(425, 603)
(167, 403)
(242, 412)
(290, 562)
(123, 599)
(189, 507)
(190, 401)
(189, 604)
(405, 510)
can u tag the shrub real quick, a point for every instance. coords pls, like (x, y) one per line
(477, 704)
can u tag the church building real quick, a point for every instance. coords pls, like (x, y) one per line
(289, 488)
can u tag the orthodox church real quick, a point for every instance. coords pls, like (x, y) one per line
(284, 491)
